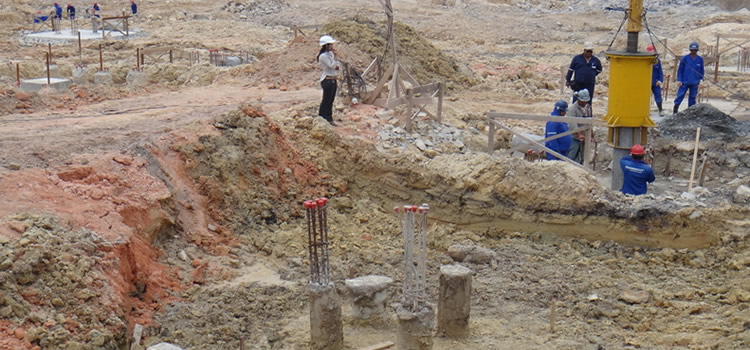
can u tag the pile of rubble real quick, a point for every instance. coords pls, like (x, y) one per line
(714, 124)
(429, 137)
(255, 7)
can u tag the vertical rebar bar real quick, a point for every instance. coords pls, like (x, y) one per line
(413, 220)
(48, 75)
(318, 241)
(80, 50)
(18, 75)
(101, 60)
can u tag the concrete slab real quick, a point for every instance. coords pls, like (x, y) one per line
(67, 36)
(34, 85)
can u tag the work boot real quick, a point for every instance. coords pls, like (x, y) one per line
(676, 109)
(661, 112)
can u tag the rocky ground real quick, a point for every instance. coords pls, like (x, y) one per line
(176, 205)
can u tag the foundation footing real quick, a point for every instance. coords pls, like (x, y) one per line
(326, 327)
(34, 85)
(369, 294)
(415, 328)
(454, 301)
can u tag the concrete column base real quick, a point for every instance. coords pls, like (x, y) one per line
(454, 301)
(103, 78)
(415, 329)
(136, 79)
(369, 294)
(326, 326)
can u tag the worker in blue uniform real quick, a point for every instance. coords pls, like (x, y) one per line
(71, 10)
(635, 172)
(96, 10)
(689, 76)
(657, 77)
(583, 71)
(552, 128)
(133, 7)
(40, 18)
(58, 11)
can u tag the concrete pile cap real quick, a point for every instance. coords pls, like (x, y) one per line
(455, 270)
(164, 346)
(367, 285)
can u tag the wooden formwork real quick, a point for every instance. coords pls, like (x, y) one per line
(38, 27)
(589, 123)
(115, 24)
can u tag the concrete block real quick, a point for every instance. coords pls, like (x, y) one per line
(103, 78)
(136, 79)
(369, 294)
(80, 75)
(326, 326)
(454, 301)
(34, 85)
(415, 328)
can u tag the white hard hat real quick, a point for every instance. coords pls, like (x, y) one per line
(588, 45)
(326, 39)
(583, 95)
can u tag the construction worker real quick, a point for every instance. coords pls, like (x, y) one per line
(95, 10)
(58, 11)
(71, 10)
(580, 109)
(583, 71)
(689, 76)
(39, 18)
(552, 128)
(327, 60)
(657, 77)
(636, 173)
(133, 7)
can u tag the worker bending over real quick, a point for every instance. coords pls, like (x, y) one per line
(636, 173)
(552, 128)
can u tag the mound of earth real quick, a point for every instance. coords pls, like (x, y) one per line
(420, 57)
(714, 124)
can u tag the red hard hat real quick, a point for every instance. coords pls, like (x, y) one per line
(650, 48)
(637, 150)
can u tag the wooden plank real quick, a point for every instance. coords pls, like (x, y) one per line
(428, 88)
(544, 118)
(379, 87)
(372, 64)
(702, 175)
(695, 158)
(441, 93)
(379, 346)
(410, 78)
(558, 155)
(588, 149)
(153, 50)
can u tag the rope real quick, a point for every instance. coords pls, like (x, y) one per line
(624, 19)
(732, 93)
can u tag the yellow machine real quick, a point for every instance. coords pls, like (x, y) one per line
(629, 94)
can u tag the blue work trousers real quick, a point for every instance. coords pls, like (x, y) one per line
(691, 96)
(657, 93)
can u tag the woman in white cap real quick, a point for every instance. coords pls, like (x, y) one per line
(327, 60)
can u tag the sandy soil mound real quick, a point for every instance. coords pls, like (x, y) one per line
(420, 57)
(713, 123)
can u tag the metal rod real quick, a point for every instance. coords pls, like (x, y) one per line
(138, 58)
(101, 60)
(80, 50)
(48, 75)
(170, 55)
(18, 75)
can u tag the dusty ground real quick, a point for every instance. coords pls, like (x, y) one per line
(177, 205)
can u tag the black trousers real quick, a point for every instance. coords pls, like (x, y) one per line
(329, 93)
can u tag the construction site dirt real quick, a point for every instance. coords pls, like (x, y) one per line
(171, 210)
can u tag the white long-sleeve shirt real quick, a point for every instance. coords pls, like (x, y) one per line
(328, 62)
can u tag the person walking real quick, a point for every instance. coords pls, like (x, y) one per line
(95, 10)
(552, 128)
(327, 60)
(635, 172)
(580, 109)
(583, 71)
(133, 8)
(657, 77)
(689, 77)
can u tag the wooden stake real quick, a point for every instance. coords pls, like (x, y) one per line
(138, 58)
(702, 175)
(101, 61)
(170, 56)
(552, 312)
(48, 77)
(695, 158)
(441, 88)
(80, 50)
(18, 75)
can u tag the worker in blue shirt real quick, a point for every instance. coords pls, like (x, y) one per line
(657, 77)
(635, 172)
(133, 7)
(689, 76)
(96, 9)
(58, 11)
(71, 10)
(583, 71)
(562, 144)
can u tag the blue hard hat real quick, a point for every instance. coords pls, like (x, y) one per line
(561, 106)
(693, 46)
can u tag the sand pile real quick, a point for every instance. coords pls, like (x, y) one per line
(420, 57)
(714, 124)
